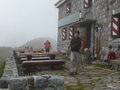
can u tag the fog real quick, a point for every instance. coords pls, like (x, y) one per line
(24, 20)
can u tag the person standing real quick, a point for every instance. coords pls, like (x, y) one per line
(47, 45)
(76, 45)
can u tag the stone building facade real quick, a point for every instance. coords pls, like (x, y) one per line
(97, 20)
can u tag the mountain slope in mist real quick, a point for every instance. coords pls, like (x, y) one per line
(39, 43)
(5, 52)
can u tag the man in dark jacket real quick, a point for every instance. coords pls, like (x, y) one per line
(76, 45)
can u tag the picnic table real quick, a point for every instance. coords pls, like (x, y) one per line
(38, 58)
(51, 55)
(54, 53)
(56, 64)
(34, 58)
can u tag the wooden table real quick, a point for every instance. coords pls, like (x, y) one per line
(56, 64)
(39, 58)
(51, 55)
(34, 59)
(33, 56)
(39, 53)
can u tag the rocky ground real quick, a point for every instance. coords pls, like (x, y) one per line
(94, 77)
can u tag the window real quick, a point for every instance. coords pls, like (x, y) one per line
(71, 32)
(68, 8)
(115, 25)
(64, 34)
(82, 32)
(87, 3)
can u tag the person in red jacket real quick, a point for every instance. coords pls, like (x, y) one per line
(111, 55)
(47, 45)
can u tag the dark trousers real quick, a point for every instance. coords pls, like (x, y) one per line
(47, 50)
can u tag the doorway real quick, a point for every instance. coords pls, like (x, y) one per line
(84, 35)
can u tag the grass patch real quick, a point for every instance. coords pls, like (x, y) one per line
(2, 65)
(100, 65)
(65, 58)
(80, 85)
(68, 87)
(104, 66)
(71, 88)
(113, 68)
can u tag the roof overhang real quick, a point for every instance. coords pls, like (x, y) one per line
(60, 2)
(87, 21)
(75, 19)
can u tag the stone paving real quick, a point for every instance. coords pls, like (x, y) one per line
(94, 77)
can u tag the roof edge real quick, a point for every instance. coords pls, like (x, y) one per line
(60, 2)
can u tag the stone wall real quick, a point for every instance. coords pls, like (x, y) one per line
(33, 83)
(62, 44)
(101, 11)
(76, 6)
(10, 69)
(11, 80)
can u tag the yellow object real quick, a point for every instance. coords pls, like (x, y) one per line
(97, 60)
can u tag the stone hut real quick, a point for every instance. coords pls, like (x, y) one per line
(97, 21)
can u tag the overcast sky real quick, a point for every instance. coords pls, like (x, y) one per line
(24, 20)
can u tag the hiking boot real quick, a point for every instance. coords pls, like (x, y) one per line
(71, 73)
(76, 73)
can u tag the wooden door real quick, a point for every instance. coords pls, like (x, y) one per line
(83, 35)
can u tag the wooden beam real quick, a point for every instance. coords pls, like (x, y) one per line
(22, 54)
(60, 2)
(42, 63)
(39, 58)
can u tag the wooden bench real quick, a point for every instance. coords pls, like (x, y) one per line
(33, 56)
(34, 59)
(37, 58)
(115, 62)
(51, 55)
(56, 64)
(40, 53)
(29, 71)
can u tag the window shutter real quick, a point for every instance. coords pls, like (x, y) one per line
(93, 1)
(64, 34)
(68, 8)
(86, 3)
(115, 32)
(71, 32)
